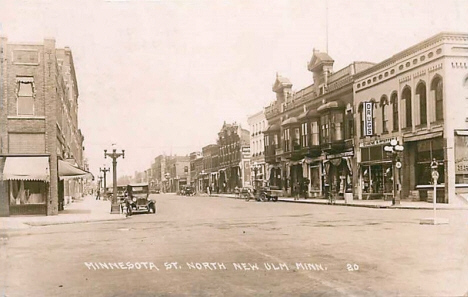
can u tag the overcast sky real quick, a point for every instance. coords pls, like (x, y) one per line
(162, 76)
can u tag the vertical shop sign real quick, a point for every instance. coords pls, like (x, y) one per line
(368, 113)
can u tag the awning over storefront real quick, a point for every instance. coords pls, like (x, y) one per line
(423, 136)
(27, 168)
(461, 132)
(330, 105)
(68, 171)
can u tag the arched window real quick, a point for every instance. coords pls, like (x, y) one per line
(394, 101)
(361, 119)
(384, 106)
(437, 89)
(421, 92)
(406, 96)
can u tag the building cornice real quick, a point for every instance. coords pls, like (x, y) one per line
(434, 40)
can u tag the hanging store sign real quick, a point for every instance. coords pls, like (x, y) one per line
(368, 115)
(377, 142)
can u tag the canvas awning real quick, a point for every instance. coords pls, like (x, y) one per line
(68, 171)
(27, 168)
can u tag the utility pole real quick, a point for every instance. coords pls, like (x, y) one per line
(115, 208)
(105, 170)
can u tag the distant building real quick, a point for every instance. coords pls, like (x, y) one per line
(41, 145)
(257, 123)
(234, 157)
(210, 167)
(176, 172)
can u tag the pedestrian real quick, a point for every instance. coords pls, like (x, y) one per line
(296, 190)
(224, 187)
(98, 194)
(208, 190)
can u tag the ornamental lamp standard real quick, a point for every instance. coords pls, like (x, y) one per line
(115, 208)
(104, 171)
(395, 149)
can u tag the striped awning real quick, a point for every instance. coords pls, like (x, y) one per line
(27, 168)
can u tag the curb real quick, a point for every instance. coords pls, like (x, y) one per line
(35, 224)
(373, 206)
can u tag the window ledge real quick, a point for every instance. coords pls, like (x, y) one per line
(19, 117)
(421, 126)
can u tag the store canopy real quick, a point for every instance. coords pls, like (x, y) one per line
(26, 168)
(68, 171)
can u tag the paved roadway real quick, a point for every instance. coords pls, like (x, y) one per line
(313, 248)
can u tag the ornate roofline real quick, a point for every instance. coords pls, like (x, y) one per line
(413, 49)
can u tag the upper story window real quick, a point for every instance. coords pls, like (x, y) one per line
(394, 101)
(349, 128)
(384, 106)
(297, 136)
(437, 89)
(337, 124)
(315, 132)
(324, 125)
(406, 97)
(286, 140)
(421, 93)
(25, 95)
(305, 134)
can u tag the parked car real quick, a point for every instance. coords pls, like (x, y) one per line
(137, 199)
(187, 191)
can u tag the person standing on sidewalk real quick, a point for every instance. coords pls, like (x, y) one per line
(98, 194)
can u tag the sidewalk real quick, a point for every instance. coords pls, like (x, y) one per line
(84, 210)
(364, 203)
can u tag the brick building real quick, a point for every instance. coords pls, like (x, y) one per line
(210, 167)
(41, 146)
(234, 157)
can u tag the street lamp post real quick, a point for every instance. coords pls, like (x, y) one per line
(395, 149)
(115, 209)
(104, 171)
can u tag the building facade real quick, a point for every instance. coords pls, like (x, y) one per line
(257, 123)
(210, 167)
(41, 146)
(420, 98)
(234, 157)
(309, 143)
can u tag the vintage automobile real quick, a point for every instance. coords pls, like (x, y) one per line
(187, 191)
(137, 199)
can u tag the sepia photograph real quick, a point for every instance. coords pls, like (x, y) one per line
(233, 148)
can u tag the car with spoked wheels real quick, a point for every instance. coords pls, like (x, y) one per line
(137, 199)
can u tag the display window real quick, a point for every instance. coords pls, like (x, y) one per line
(27, 192)
(427, 150)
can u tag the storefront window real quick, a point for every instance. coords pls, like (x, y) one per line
(461, 159)
(427, 150)
(315, 178)
(377, 179)
(27, 192)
